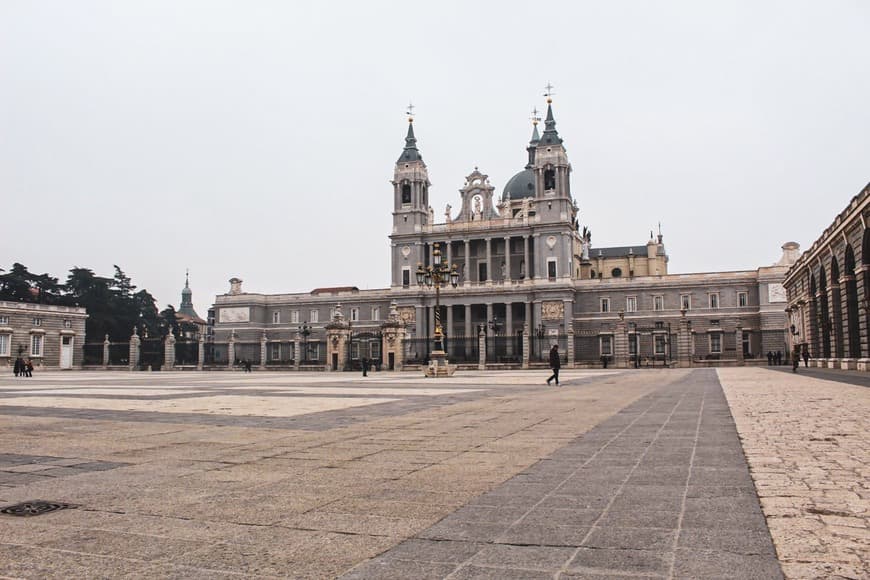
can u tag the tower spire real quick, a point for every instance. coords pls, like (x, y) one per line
(536, 138)
(551, 136)
(410, 153)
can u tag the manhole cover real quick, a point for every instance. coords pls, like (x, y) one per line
(35, 508)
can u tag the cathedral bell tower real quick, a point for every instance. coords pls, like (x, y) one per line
(552, 173)
(410, 187)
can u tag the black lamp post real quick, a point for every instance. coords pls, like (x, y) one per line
(305, 331)
(438, 275)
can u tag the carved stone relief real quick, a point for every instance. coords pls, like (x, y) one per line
(407, 314)
(552, 310)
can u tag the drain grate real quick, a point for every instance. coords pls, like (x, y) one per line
(35, 507)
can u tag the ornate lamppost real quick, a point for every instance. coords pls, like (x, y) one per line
(438, 275)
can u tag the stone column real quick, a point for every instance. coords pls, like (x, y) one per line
(620, 344)
(231, 349)
(169, 351)
(568, 308)
(489, 261)
(263, 344)
(508, 318)
(133, 358)
(106, 344)
(738, 336)
(419, 320)
(297, 351)
(526, 256)
(449, 327)
(507, 259)
(526, 345)
(481, 346)
(684, 344)
(468, 330)
(467, 267)
(200, 353)
(449, 253)
(570, 352)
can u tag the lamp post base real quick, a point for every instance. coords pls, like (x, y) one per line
(438, 366)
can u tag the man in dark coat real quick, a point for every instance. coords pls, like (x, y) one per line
(17, 367)
(770, 358)
(365, 367)
(806, 355)
(555, 364)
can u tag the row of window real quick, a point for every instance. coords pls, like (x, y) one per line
(659, 344)
(658, 302)
(314, 315)
(36, 344)
(4, 321)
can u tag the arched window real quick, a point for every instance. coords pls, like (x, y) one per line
(406, 192)
(549, 179)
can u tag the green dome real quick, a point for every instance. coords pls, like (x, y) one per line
(520, 185)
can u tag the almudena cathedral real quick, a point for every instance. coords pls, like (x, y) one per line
(527, 277)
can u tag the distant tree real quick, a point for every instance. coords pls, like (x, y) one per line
(169, 321)
(146, 308)
(16, 285)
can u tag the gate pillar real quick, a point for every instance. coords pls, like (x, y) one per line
(169, 351)
(133, 359)
(393, 332)
(337, 339)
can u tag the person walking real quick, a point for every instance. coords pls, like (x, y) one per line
(28, 368)
(795, 359)
(805, 352)
(555, 364)
(365, 367)
(778, 358)
(770, 358)
(17, 367)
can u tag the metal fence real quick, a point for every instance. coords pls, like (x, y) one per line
(462, 349)
(539, 347)
(151, 353)
(416, 350)
(280, 353)
(187, 352)
(247, 351)
(504, 349)
(119, 353)
(93, 354)
(215, 354)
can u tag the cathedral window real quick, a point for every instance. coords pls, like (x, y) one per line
(376, 313)
(685, 301)
(658, 302)
(616, 272)
(314, 316)
(742, 299)
(406, 193)
(406, 277)
(276, 317)
(551, 268)
(715, 342)
(354, 314)
(631, 304)
(549, 179)
(606, 345)
(294, 316)
(714, 300)
(605, 305)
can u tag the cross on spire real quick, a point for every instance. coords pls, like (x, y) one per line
(410, 110)
(549, 92)
(535, 117)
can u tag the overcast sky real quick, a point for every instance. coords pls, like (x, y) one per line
(257, 139)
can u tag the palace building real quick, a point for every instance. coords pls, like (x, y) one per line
(828, 290)
(528, 277)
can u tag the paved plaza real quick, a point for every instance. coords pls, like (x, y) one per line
(696, 473)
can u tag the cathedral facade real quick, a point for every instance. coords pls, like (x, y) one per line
(528, 277)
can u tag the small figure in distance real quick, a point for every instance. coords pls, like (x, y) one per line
(555, 364)
(770, 358)
(806, 355)
(365, 367)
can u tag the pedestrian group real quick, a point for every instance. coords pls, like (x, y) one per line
(23, 367)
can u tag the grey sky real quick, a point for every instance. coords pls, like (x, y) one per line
(257, 139)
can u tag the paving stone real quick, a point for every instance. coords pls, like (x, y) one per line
(592, 561)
